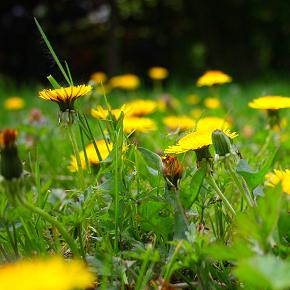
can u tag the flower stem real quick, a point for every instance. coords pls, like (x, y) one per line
(220, 194)
(70, 241)
(244, 191)
(77, 155)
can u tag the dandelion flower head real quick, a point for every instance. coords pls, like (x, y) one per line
(104, 149)
(65, 97)
(98, 77)
(270, 103)
(101, 113)
(212, 103)
(14, 103)
(195, 140)
(213, 77)
(283, 176)
(158, 73)
(50, 274)
(141, 107)
(179, 122)
(143, 125)
(125, 82)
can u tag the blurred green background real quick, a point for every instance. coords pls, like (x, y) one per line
(246, 38)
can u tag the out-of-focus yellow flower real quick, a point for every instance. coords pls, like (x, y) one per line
(158, 73)
(65, 97)
(50, 274)
(141, 107)
(98, 77)
(196, 113)
(104, 149)
(125, 82)
(213, 77)
(14, 103)
(212, 103)
(192, 99)
(283, 176)
(101, 113)
(212, 123)
(179, 122)
(195, 140)
(270, 103)
(143, 125)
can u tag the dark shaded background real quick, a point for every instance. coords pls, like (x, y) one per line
(244, 38)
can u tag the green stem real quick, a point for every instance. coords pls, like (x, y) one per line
(55, 223)
(221, 195)
(77, 155)
(239, 184)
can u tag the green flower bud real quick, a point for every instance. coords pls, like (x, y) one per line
(221, 143)
(10, 165)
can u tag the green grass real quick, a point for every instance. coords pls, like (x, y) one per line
(126, 223)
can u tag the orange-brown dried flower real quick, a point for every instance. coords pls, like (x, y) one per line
(172, 170)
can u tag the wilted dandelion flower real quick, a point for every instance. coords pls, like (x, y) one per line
(270, 103)
(213, 77)
(125, 82)
(50, 274)
(172, 169)
(141, 107)
(93, 159)
(158, 73)
(179, 122)
(14, 103)
(101, 113)
(212, 103)
(283, 176)
(10, 163)
(65, 97)
(143, 125)
(98, 77)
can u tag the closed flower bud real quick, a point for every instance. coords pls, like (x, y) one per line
(10, 166)
(172, 170)
(221, 143)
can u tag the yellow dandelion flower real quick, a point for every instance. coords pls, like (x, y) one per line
(14, 103)
(141, 107)
(101, 113)
(158, 73)
(283, 176)
(65, 97)
(92, 155)
(213, 77)
(143, 125)
(98, 77)
(50, 274)
(179, 122)
(212, 123)
(196, 113)
(192, 99)
(194, 141)
(212, 103)
(270, 103)
(125, 82)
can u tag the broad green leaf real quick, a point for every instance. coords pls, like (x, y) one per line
(254, 177)
(188, 196)
(152, 159)
(264, 272)
(156, 216)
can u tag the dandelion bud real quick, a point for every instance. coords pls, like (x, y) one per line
(10, 166)
(172, 170)
(221, 143)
